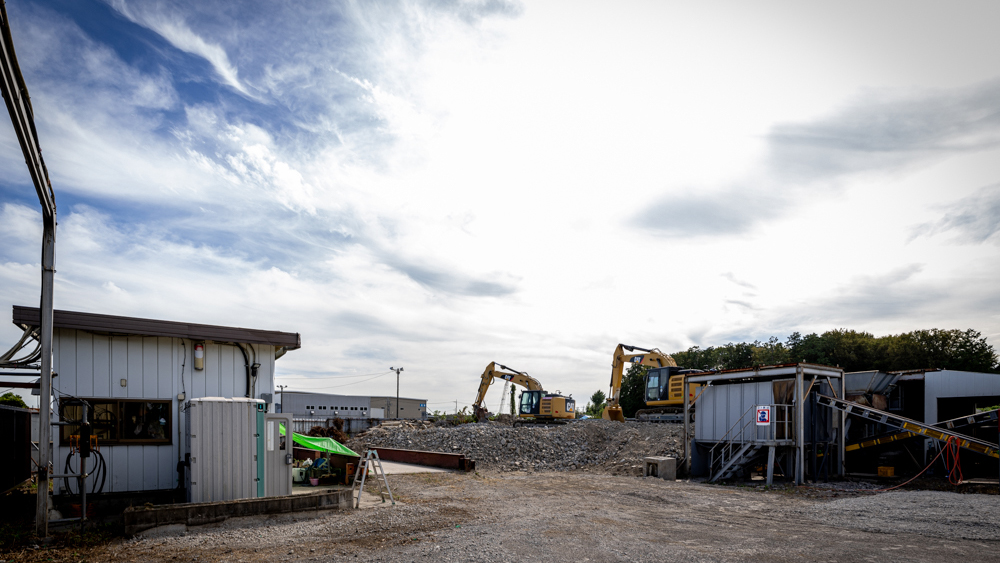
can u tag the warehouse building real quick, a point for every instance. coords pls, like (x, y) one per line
(322, 406)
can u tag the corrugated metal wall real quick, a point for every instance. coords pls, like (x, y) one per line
(223, 449)
(92, 366)
(722, 406)
(951, 383)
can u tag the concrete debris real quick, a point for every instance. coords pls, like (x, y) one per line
(588, 445)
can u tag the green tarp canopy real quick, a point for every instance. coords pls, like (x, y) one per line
(328, 445)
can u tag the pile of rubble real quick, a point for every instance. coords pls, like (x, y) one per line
(589, 445)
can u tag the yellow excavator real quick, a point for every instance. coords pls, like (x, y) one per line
(536, 403)
(663, 386)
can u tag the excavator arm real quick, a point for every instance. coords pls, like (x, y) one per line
(633, 355)
(495, 371)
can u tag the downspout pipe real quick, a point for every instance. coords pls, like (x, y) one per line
(246, 363)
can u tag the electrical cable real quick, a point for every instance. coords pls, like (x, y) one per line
(100, 468)
(952, 463)
(921, 471)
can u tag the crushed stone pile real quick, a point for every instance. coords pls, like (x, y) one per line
(588, 445)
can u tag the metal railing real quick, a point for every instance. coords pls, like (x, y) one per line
(736, 444)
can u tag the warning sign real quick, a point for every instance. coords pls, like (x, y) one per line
(764, 415)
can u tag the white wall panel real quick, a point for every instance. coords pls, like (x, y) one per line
(134, 384)
(102, 366)
(119, 366)
(84, 364)
(229, 386)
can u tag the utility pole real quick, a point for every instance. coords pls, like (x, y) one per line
(15, 94)
(397, 370)
(281, 391)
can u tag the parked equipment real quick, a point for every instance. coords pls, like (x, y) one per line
(665, 394)
(634, 355)
(536, 403)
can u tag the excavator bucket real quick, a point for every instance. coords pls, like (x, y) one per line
(613, 413)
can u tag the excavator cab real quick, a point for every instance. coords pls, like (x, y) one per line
(542, 405)
(664, 386)
(530, 403)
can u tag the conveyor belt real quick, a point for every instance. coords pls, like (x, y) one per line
(911, 426)
(960, 422)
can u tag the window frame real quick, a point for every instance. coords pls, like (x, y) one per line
(65, 431)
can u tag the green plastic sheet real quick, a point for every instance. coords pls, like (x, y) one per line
(328, 445)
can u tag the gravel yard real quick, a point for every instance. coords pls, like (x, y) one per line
(593, 445)
(600, 511)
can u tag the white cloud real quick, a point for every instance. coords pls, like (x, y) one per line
(440, 184)
(178, 34)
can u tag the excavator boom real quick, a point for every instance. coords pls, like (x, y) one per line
(496, 371)
(633, 355)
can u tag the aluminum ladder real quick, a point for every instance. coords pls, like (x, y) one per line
(912, 426)
(370, 461)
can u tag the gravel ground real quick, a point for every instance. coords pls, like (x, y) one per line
(584, 516)
(592, 445)
(928, 513)
(571, 493)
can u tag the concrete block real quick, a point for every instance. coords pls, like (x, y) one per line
(662, 467)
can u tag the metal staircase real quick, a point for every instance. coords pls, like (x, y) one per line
(736, 450)
(912, 427)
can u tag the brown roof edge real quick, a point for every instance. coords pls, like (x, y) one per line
(30, 316)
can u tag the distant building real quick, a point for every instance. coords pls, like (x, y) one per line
(408, 408)
(323, 406)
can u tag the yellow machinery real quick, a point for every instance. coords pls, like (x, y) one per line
(664, 375)
(535, 403)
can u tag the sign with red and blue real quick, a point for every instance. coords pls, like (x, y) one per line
(764, 415)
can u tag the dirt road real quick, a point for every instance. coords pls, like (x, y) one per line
(576, 516)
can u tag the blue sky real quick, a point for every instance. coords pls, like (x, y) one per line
(443, 184)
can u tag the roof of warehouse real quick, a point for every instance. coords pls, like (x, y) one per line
(30, 316)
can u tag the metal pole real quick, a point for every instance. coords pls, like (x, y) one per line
(686, 462)
(83, 469)
(397, 370)
(281, 395)
(800, 449)
(45, 383)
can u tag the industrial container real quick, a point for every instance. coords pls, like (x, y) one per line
(224, 448)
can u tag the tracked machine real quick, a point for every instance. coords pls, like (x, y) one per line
(536, 404)
(664, 385)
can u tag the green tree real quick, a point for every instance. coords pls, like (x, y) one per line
(770, 353)
(12, 400)
(696, 358)
(735, 356)
(952, 349)
(596, 404)
(633, 393)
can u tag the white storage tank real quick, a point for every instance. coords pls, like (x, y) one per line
(222, 441)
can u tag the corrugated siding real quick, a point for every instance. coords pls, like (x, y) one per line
(950, 383)
(93, 366)
(721, 406)
(222, 447)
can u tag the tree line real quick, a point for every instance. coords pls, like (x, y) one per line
(963, 350)
(849, 349)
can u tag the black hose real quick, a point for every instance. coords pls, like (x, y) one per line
(100, 468)
(246, 362)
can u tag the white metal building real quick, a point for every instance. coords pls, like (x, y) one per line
(136, 374)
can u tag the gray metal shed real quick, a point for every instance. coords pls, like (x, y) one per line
(135, 374)
(729, 433)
